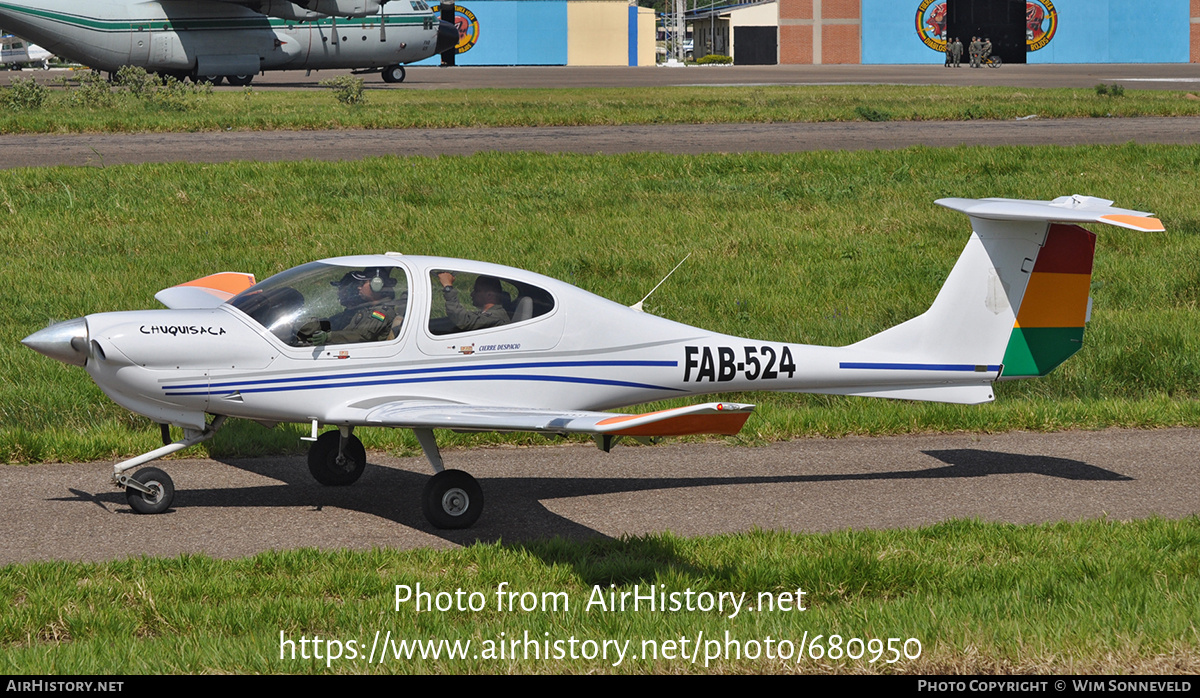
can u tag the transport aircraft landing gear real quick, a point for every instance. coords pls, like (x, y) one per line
(393, 73)
(335, 463)
(452, 499)
(239, 80)
(207, 79)
(150, 491)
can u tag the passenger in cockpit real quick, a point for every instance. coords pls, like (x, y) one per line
(487, 295)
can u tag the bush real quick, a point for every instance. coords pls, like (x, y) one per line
(872, 114)
(176, 95)
(137, 81)
(23, 94)
(1113, 90)
(93, 91)
(347, 89)
(715, 59)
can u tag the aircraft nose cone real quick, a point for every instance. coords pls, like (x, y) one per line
(447, 36)
(63, 341)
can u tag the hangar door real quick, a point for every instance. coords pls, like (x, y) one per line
(1002, 21)
(755, 46)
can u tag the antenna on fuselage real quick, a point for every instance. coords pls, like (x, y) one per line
(638, 306)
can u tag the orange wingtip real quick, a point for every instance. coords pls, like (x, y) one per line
(230, 282)
(1146, 223)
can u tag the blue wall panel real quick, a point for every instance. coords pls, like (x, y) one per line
(516, 32)
(1089, 31)
(889, 34)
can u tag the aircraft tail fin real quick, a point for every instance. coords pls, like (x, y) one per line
(1015, 302)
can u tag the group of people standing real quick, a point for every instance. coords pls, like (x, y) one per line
(979, 51)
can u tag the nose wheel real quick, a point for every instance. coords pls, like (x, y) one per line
(150, 492)
(452, 499)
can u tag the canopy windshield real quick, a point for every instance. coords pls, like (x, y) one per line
(323, 303)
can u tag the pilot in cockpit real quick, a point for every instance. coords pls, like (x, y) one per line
(372, 311)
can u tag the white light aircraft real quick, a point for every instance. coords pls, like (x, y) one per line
(386, 340)
(234, 40)
(15, 51)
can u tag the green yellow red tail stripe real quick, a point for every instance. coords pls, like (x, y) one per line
(1049, 326)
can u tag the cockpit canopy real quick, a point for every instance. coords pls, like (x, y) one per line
(320, 302)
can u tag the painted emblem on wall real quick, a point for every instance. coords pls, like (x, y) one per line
(467, 26)
(931, 24)
(1041, 21)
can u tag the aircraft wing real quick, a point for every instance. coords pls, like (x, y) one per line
(207, 292)
(709, 418)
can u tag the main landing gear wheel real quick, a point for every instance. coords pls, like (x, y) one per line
(207, 79)
(239, 80)
(452, 499)
(162, 492)
(328, 468)
(393, 73)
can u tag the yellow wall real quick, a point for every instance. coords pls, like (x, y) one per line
(645, 37)
(598, 33)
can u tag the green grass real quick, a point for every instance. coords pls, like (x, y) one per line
(819, 248)
(1098, 597)
(406, 108)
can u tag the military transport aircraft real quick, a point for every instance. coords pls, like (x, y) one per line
(390, 340)
(233, 40)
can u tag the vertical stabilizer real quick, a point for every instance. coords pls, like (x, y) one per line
(1017, 298)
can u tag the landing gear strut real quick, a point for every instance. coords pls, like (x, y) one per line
(150, 490)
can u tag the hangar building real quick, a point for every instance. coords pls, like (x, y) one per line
(614, 32)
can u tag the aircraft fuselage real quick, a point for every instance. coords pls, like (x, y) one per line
(210, 37)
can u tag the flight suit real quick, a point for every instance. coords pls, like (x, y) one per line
(368, 323)
(473, 319)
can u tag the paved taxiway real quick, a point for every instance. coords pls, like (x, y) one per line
(111, 149)
(245, 506)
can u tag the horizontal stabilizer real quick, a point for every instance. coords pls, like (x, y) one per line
(1064, 209)
(709, 418)
(207, 292)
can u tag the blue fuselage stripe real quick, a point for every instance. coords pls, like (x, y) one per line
(243, 385)
(916, 367)
(436, 379)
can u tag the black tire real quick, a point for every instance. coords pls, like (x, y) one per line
(239, 80)
(157, 480)
(994, 61)
(323, 460)
(452, 499)
(394, 73)
(207, 79)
